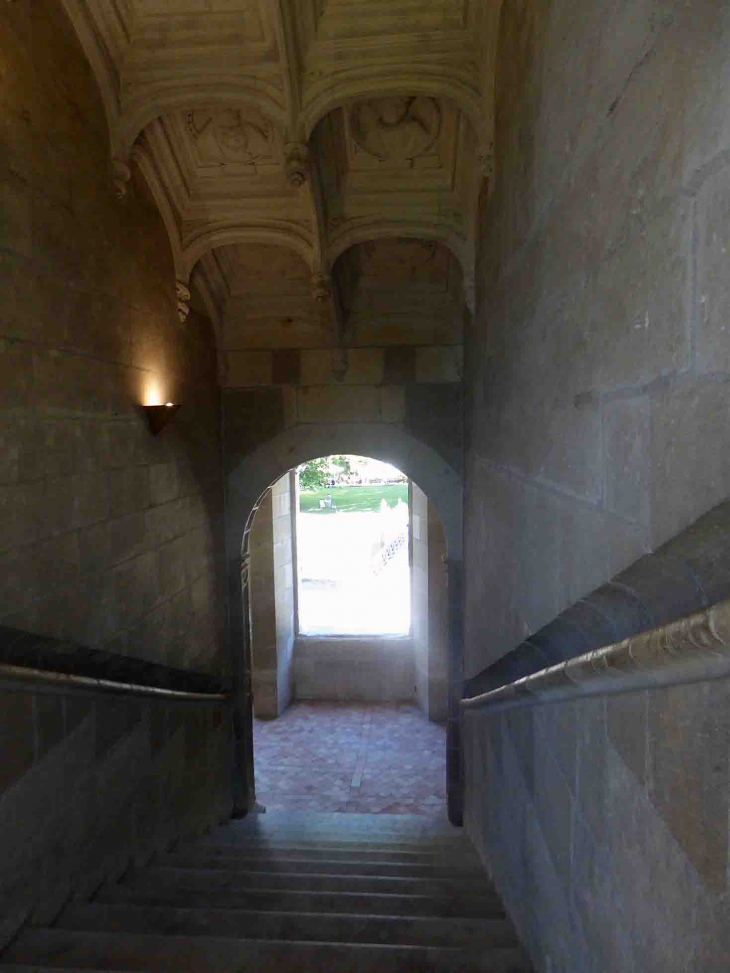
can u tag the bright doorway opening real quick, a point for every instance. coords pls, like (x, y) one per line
(352, 547)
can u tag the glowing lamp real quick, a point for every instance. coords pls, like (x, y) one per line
(159, 416)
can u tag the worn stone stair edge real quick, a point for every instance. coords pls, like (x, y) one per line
(348, 830)
(109, 871)
(231, 878)
(354, 931)
(165, 948)
(131, 918)
(363, 841)
(332, 850)
(316, 865)
(371, 904)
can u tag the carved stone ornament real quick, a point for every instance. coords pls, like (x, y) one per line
(321, 287)
(396, 129)
(231, 135)
(297, 163)
(121, 174)
(486, 162)
(183, 300)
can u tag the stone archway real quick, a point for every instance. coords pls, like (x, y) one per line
(384, 441)
(245, 486)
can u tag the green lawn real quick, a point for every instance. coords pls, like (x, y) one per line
(351, 498)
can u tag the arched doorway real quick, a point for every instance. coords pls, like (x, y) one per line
(246, 486)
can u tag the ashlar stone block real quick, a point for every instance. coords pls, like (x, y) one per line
(340, 403)
(392, 403)
(442, 364)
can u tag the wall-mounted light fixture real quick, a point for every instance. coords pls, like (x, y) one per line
(158, 416)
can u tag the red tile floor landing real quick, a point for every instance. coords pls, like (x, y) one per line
(365, 758)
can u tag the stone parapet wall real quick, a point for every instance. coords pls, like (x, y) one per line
(92, 784)
(688, 573)
(653, 764)
(377, 669)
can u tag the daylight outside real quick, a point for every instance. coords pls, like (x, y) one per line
(352, 548)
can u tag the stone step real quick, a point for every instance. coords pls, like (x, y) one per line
(338, 823)
(342, 851)
(236, 830)
(285, 900)
(309, 927)
(236, 881)
(434, 849)
(383, 826)
(21, 968)
(349, 839)
(282, 863)
(394, 829)
(63, 949)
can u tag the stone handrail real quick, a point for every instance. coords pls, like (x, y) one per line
(691, 649)
(27, 658)
(12, 676)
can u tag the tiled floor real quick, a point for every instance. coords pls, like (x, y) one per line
(362, 758)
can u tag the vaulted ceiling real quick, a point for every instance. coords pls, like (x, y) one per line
(317, 162)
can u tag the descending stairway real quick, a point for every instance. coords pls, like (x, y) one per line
(345, 893)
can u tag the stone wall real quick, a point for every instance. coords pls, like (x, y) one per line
(107, 534)
(419, 592)
(429, 608)
(91, 784)
(429, 411)
(438, 621)
(272, 599)
(370, 668)
(262, 608)
(283, 499)
(597, 393)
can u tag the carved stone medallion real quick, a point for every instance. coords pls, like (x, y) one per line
(231, 135)
(396, 129)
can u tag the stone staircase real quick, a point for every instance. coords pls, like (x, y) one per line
(284, 892)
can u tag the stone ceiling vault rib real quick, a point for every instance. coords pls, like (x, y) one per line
(291, 74)
(388, 230)
(367, 83)
(314, 125)
(211, 238)
(153, 103)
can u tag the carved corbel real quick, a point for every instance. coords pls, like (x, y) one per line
(486, 161)
(121, 174)
(321, 287)
(183, 300)
(297, 163)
